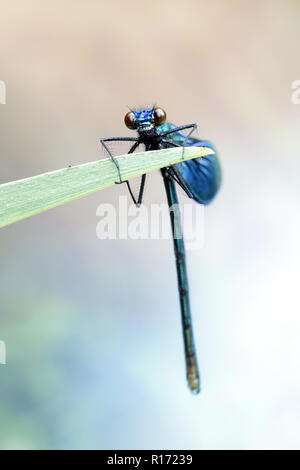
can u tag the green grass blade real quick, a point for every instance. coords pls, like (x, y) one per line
(30, 196)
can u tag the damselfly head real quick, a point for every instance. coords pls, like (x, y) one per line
(146, 119)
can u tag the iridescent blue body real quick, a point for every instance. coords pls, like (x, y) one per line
(200, 178)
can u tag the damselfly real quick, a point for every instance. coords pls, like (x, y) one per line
(200, 178)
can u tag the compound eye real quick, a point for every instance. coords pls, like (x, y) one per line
(160, 115)
(130, 120)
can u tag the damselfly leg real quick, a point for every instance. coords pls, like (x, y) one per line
(119, 139)
(136, 141)
(193, 127)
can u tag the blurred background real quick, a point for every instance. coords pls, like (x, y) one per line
(92, 328)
